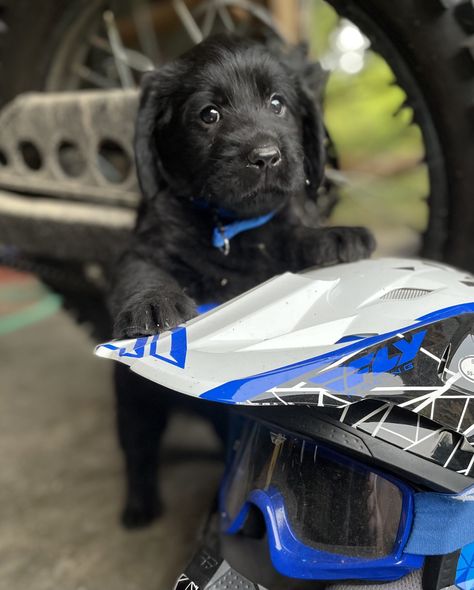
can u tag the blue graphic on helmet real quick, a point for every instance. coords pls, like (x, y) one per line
(465, 573)
(242, 390)
(346, 377)
(147, 345)
(383, 362)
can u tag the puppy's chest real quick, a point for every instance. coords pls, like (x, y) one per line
(249, 262)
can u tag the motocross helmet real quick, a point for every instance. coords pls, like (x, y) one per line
(355, 388)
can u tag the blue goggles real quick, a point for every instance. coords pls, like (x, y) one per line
(328, 517)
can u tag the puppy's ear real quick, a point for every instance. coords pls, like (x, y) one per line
(311, 85)
(154, 113)
(310, 81)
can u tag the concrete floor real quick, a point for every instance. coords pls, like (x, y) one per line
(61, 478)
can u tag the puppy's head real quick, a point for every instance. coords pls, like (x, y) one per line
(231, 123)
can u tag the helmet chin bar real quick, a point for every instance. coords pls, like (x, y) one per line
(251, 557)
(241, 562)
(219, 573)
(412, 581)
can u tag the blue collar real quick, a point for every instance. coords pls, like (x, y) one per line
(222, 234)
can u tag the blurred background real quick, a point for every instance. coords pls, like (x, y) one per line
(398, 111)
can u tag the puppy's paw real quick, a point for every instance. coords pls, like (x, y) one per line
(137, 515)
(337, 244)
(151, 312)
(352, 243)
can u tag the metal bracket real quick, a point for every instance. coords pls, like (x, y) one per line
(75, 145)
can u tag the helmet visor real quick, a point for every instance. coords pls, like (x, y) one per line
(331, 503)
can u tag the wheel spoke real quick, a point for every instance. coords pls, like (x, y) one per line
(209, 20)
(146, 33)
(92, 77)
(123, 69)
(135, 59)
(188, 21)
(226, 18)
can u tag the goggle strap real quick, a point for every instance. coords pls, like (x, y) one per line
(443, 523)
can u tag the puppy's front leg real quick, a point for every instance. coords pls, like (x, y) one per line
(146, 300)
(324, 246)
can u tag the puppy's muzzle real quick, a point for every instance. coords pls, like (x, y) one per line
(264, 156)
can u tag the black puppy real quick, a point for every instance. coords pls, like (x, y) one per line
(229, 132)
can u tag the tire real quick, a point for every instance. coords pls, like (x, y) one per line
(434, 39)
(29, 39)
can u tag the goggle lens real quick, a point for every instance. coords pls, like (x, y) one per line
(332, 503)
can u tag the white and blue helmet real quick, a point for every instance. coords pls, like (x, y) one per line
(386, 345)
(361, 373)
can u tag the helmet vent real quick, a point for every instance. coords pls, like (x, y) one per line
(468, 283)
(406, 294)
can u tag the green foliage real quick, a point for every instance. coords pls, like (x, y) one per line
(366, 118)
(380, 149)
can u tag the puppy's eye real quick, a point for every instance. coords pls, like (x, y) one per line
(210, 115)
(277, 104)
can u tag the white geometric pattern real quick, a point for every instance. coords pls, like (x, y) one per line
(423, 400)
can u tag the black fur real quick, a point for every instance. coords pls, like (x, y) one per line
(170, 264)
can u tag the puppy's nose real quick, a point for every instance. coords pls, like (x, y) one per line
(264, 156)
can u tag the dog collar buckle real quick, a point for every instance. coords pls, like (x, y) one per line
(224, 246)
(224, 233)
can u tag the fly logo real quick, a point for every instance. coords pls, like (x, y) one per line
(394, 358)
